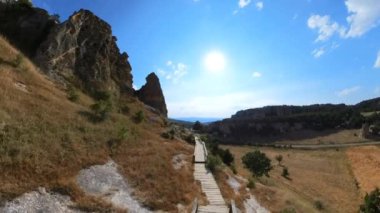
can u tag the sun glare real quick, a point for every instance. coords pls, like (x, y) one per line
(215, 62)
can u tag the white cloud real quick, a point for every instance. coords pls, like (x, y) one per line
(364, 15)
(173, 71)
(256, 74)
(318, 52)
(326, 28)
(377, 62)
(348, 91)
(217, 106)
(244, 3)
(259, 5)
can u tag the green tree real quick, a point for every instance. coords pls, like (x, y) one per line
(227, 157)
(279, 159)
(258, 163)
(371, 202)
(198, 126)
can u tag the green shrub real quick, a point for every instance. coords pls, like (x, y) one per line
(233, 168)
(101, 109)
(318, 205)
(213, 162)
(251, 184)
(371, 202)
(258, 163)
(125, 109)
(102, 96)
(198, 126)
(168, 134)
(72, 94)
(279, 159)
(190, 139)
(226, 156)
(285, 172)
(123, 133)
(18, 60)
(139, 116)
(288, 210)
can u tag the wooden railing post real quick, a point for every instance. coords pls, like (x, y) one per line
(195, 206)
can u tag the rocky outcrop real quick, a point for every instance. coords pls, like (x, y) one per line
(24, 26)
(151, 94)
(83, 51)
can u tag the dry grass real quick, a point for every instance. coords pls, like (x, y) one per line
(365, 163)
(45, 140)
(322, 175)
(324, 137)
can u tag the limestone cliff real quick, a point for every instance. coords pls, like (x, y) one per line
(83, 51)
(151, 94)
(24, 26)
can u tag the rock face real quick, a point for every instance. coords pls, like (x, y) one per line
(83, 51)
(24, 26)
(151, 94)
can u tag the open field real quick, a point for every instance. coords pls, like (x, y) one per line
(315, 175)
(365, 163)
(324, 137)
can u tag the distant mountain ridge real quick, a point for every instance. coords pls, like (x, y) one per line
(277, 121)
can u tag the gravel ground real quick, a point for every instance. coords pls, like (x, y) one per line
(39, 202)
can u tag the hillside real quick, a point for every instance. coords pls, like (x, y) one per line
(46, 139)
(273, 123)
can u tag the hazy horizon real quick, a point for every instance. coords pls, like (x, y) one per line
(214, 58)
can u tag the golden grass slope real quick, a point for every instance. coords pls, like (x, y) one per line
(45, 140)
(316, 175)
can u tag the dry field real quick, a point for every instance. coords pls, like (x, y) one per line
(365, 163)
(315, 175)
(45, 139)
(324, 137)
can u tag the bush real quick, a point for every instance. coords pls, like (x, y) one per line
(72, 94)
(279, 159)
(139, 116)
(213, 162)
(318, 205)
(233, 168)
(190, 139)
(123, 133)
(198, 126)
(251, 184)
(101, 109)
(226, 156)
(371, 202)
(168, 134)
(258, 163)
(285, 172)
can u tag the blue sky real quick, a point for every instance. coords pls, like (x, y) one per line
(274, 52)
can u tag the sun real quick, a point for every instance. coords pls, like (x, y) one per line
(215, 62)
